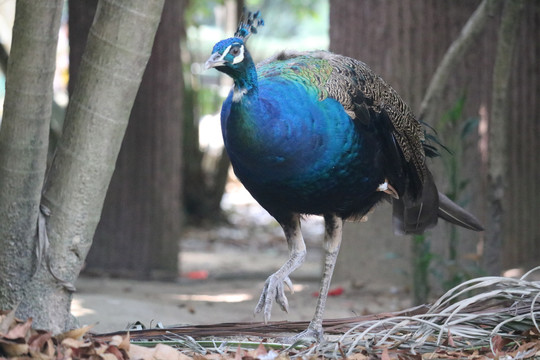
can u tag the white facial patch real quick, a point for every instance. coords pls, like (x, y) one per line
(225, 53)
(240, 57)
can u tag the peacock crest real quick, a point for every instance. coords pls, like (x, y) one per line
(249, 22)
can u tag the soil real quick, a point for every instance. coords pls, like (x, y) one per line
(223, 270)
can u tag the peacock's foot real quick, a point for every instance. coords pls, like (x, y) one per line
(311, 335)
(273, 289)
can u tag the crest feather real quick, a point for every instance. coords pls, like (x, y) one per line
(249, 22)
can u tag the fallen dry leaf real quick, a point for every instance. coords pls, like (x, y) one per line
(14, 349)
(166, 352)
(41, 345)
(116, 352)
(261, 350)
(357, 356)
(385, 355)
(75, 333)
(140, 352)
(451, 339)
(108, 356)
(160, 352)
(121, 341)
(7, 318)
(216, 356)
(75, 343)
(201, 357)
(19, 330)
(39, 339)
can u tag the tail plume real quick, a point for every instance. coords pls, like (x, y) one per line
(414, 216)
(452, 212)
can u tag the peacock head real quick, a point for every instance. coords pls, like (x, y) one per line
(230, 56)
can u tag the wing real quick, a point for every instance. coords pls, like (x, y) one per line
(365, 96)
(370, 101)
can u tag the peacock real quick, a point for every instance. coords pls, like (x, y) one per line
(316, 133)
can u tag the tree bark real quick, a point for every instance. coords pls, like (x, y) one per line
(81, 16)
(499, 126)
(455, 53)
(521, 237)
(24, 140)
(139, 232)
(118, 48)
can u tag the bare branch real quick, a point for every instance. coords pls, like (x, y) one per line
(470, 32)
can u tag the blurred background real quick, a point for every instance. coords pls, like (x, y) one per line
(174, 210)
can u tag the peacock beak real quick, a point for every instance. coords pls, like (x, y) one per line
(215, 60)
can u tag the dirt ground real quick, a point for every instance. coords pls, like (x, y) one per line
(234, 261)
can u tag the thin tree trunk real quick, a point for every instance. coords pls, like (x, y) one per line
(139, 232)
(522, 192)
(498, 133)
(117, 51)
(24, 140)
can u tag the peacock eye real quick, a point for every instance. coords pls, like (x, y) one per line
(235, 51)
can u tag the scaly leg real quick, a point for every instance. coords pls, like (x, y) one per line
(274, 285)
(332, 241)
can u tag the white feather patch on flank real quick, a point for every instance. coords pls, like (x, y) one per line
(238, 94)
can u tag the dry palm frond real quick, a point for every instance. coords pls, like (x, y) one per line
(480, 315)
(500, 308)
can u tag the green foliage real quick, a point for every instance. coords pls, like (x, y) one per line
(455, 129)
(201, 12)
(289, 12)
(421, 247)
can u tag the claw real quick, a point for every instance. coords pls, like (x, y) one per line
(274, 289)
(306, 337)
(281, 299)
(289, 284)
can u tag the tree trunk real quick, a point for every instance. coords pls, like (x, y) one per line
(81, 15)
(206, 183)
(202, 202)
(24, 141)
(139, 232)
(521, 232)
(499, 126)
(118, 48)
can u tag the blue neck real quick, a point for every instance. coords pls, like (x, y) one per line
(245, 79)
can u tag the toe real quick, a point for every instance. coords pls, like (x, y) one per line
(308, 336)
(281, 299)
(274, 289)
(289, 284)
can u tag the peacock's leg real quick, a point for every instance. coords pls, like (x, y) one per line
(274, 285)
(332, 241)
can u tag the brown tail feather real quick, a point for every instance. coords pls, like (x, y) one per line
(415, 216)
(452, 212)
(412, 216)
